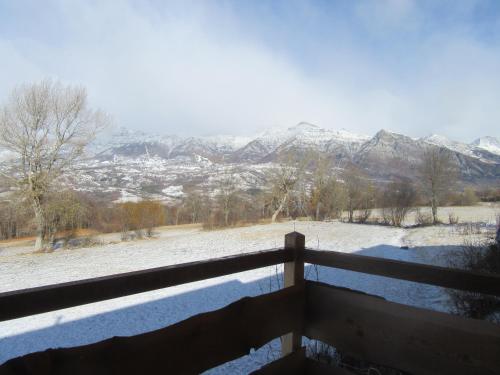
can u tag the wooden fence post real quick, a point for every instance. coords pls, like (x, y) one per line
(293, 275)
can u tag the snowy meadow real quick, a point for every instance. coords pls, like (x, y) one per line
(21, 268)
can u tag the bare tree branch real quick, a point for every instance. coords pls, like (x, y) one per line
(47, 126)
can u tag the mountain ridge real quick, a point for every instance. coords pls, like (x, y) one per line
(309, 133)
(136, 163)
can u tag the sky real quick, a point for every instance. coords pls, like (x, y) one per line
(239, 67)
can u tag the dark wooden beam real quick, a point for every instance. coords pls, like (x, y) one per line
(32, 301)
(415, 340)
(189, 347)
(421, 273)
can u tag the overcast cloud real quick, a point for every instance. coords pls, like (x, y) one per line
(213, 67)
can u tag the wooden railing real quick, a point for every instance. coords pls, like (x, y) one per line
(367, 327)
(42, 299)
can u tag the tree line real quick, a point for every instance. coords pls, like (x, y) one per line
(295, 188)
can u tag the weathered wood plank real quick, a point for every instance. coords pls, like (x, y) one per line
(412, 339)
(189, 347)
(422, 273)
(32, 301)
(293, 275)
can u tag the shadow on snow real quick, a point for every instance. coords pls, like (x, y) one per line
(155, 314)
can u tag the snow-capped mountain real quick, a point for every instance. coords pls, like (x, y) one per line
(268, 145)
(490, 144)
(476, 149)
(131, 163)
(442, 141)
(308, 134)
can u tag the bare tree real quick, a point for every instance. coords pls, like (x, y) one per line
(283, 180)
(195, 204)
(15, 218)
(355, 185)
(47, 126)
(438, 174)
(326, 194)
(366, 201)
(63, 211)
(397, 201)
(320, 184)
(227, 197)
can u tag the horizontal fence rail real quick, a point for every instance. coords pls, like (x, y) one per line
(19, 303)
(407, 338)
(421, 273)
(192, 346)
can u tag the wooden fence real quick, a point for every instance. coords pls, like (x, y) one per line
(366, 327)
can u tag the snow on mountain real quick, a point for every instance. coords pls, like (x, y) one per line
(136, 142)
(441, 141)
(385, 146)
(486, 149)
(490, 144)
(227, 142)
(309, 134)
(128, 164)
(110, 144)
(272, 142)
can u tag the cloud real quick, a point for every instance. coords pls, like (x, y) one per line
(203, 69)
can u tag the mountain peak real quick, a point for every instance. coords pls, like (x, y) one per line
(303, 125)
(488, 143)
(435, 137)
(486, 140)
(382, 133)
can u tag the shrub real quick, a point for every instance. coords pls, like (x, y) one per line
(363, 215)
(140, 216)
(397, 201)
(469, 229)
(469, 197)
(480, 256)
(423, 219)
(452, 218)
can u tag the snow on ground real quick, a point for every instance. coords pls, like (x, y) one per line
(153, 310)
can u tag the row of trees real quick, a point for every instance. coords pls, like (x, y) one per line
(321, 194)
(294, 189)
(68, 212)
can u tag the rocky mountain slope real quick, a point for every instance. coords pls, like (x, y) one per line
(133, 164)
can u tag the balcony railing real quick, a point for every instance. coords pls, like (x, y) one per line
(364, 326)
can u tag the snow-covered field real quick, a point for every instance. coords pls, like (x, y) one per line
(483, 213)
(152, 310)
